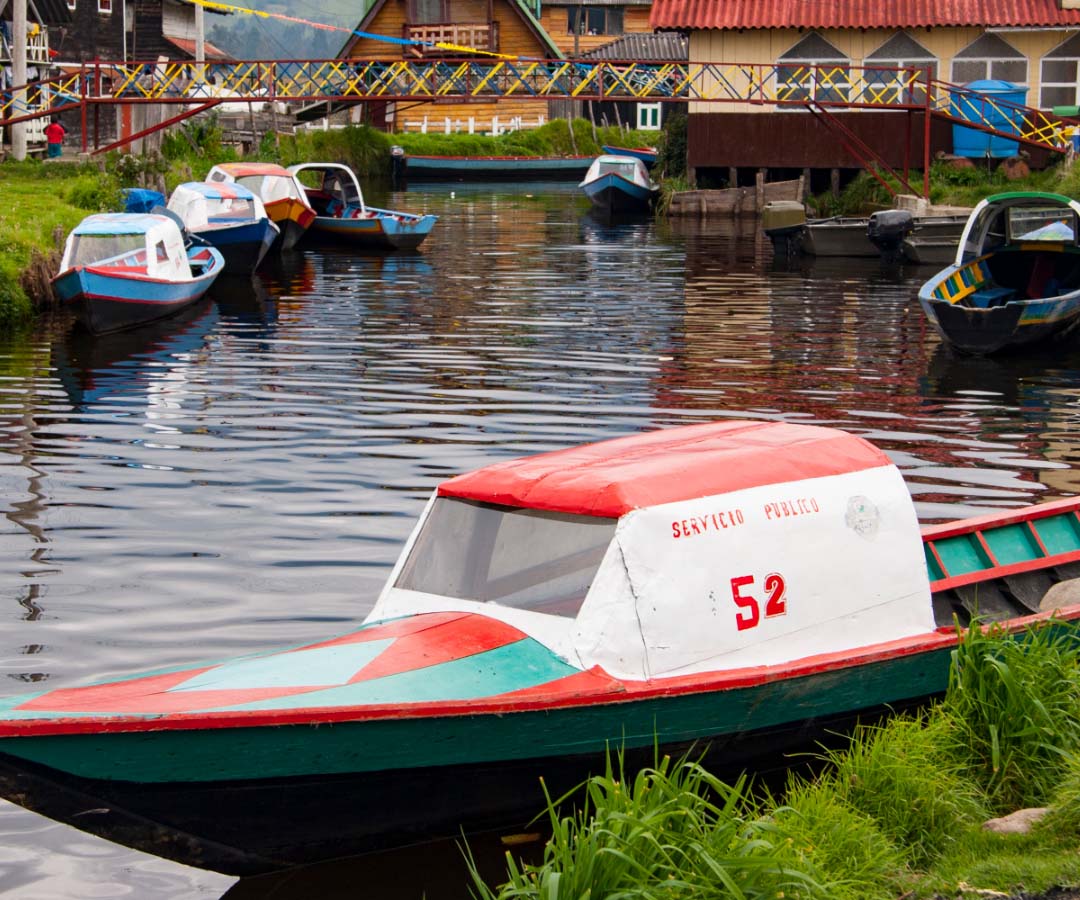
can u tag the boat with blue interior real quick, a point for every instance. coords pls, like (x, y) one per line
(619, 184)
(340, 212)
(1015, 278)
(742, 587)
(120, 270)
(229, 217)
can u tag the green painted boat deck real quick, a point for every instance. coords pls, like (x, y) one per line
(1015, 546)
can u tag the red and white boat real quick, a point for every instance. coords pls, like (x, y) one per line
(740, 587)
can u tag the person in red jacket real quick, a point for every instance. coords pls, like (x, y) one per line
(54, 134)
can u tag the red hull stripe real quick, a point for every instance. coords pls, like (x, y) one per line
(611, 478)
(535, 700)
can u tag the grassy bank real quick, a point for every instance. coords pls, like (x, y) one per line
(898, 814)
(948, 185)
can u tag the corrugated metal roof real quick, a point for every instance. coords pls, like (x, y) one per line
(859, 13)
(664, 47)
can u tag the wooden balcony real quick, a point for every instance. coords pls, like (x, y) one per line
(475, 35)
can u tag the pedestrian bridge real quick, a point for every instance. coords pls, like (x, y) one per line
(826, 89)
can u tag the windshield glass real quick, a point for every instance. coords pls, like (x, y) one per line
(525, 558)
(626, 169)
(87, 249)
(1055, 225)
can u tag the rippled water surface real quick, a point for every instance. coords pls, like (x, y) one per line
(243, 476)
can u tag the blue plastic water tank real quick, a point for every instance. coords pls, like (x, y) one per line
(974, 143)
(141, 200)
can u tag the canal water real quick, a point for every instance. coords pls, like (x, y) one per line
(243, 476)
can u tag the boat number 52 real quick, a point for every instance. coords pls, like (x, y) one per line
(748, 614)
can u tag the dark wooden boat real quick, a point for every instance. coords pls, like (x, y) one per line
(1015, 279)
(739, 586)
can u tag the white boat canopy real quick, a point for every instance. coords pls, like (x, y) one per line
(142, 241)
(268, 181)
(204, 206)
(676, 552)
(338, 181)
(628, 167)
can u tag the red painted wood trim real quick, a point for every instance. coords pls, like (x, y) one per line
(1034, 532)
(938, 559)
(1028, 565)
(1001, 517)
(981, 538)
(627, 691)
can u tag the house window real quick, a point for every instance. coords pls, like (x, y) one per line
(71, 4)
(594, 19)
(899, 52)
(1058, 78)
(989, 57)
(105, 7)
(648, 116)
(813, 70)
(429, 12)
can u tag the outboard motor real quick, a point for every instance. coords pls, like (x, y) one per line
(887, 231)
(784, 221)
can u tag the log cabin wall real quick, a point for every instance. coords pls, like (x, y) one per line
(515, 38)
(556, 21)
(93, 34)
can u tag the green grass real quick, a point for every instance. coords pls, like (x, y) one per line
(899, 812)
(35, 216)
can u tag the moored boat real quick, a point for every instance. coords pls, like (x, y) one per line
(281, 194)
(1015, 279)
(120, 270)
(880, 234)
(229, 217)
(619, 184)
(660, 590)
(646, 154)
(342, 214)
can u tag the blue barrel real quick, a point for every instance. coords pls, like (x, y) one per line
(979, 144)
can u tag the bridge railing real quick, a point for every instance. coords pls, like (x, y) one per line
(783, 86)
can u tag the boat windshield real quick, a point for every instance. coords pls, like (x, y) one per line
(524, 558)
(1054, 225)
(626, 169)
(88, 249)
(270, 187)
(229, 209)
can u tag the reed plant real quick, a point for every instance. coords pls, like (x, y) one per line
(1014, 703)
(907, 776)
(671, 830)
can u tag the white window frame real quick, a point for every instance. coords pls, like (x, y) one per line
(899, 91)
(989, 64)
(812, 64)
(1074, 84)
(71, 4)
(105, 7)
(648, 116)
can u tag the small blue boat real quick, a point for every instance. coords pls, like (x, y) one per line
(619, 184)
(1016, 276)
(120, 270)
(341, 214)
(646, 154)
(229, 217)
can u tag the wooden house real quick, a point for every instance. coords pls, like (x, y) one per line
(1034, 45)
(577, 27)
(498, 26)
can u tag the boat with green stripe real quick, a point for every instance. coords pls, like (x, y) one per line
(671, 589)
(1015, 279)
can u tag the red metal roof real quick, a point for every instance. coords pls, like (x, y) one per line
(858, 13)
(188, 47)
(611, 478)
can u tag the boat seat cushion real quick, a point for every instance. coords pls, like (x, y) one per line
(991, 296)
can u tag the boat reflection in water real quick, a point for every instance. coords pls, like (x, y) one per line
(144, 361)
(244, 299)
